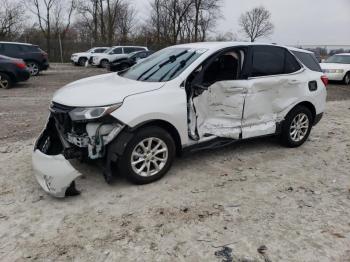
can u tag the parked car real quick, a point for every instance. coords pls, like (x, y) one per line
(12, 71)
(80, 59)
(35, 58)
(126, 62)
(337, 68)
(115, 52)
(182, 98)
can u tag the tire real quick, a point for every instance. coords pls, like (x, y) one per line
(347, 79)
(161, 141)
(33, 68)
(296, 127)
(5, 81)
(82, 61)
(104, 63)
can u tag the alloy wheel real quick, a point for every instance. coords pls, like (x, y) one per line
(149, 157)
(299, 127)
(33, 68)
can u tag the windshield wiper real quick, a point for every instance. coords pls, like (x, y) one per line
(171, 59)
(181, 65)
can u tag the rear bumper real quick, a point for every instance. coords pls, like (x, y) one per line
(44, 66)
(54, 173)
(22, 75)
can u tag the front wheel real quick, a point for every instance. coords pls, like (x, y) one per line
(82, 61)
(148, 156)
(104, 63)
(296, 127)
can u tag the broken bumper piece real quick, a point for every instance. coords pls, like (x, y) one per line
(55, 174)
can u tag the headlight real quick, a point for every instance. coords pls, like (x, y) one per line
(334, 71)
(88, 113)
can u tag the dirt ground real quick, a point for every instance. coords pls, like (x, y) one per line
(252, 201)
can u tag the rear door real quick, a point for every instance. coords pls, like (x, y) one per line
(276, 82)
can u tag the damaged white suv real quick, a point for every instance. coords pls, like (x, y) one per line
(185, 97)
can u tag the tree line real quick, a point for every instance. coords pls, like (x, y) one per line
(62, 27)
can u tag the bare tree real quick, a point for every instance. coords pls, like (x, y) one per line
(206, 14)
(125, 21)
(256, 23)
(51, 16)
(11, 19)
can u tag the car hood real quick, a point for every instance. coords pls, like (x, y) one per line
(335, 66)
(101, 90)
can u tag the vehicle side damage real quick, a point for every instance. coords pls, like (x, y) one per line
(64, 140)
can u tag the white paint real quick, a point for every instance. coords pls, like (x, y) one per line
(228, 109)
(54, 173)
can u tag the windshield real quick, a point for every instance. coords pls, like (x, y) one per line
(339, 59)
(108, 49)
(164, 65)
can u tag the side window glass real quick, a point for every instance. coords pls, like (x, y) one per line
(226, 67)
(309, 60)
(2, 49)
(128, 50)
(117, 51)
(291, 64)
(267, 60)
(142, 55)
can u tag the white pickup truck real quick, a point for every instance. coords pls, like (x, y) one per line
(115, 52)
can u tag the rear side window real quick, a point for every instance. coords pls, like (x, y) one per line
(29, 48)
(309, 60)
(270, 60)
(12, 48)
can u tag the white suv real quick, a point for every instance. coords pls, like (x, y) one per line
(114, 53)
(81, 58)
(185, 97)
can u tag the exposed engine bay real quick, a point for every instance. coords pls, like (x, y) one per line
(75, 140)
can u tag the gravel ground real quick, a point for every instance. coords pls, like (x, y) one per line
(252, 201)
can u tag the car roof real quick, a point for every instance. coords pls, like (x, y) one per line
(16, 43)
(347, 54)
(220, 45)
(128, 46)
(100, 47)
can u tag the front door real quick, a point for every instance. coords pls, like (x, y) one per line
(217, 101)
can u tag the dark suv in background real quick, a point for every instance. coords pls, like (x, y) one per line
(35, 58)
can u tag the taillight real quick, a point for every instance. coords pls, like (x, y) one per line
(44, 55)
(20, 65)
(324, 80)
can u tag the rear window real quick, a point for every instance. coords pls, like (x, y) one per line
(309, 60)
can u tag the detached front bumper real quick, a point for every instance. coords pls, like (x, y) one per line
(54, 173)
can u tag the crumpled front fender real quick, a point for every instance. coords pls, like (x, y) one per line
(54, 173)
